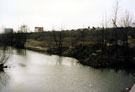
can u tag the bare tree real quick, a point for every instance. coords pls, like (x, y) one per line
(24, 28)
(55, 37)
(104, 30)
(58, 38)
(115, 20)
(20, 38)
(115, 15)
(3, 58)
(61, 41)
(82, 35)
(126, 20)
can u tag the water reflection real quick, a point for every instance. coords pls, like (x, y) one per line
(22, 65)
(4, 81)
(20, 51)
(66, 61)
(126, 71)
(3, 78)
(59, 60)
(37, 72)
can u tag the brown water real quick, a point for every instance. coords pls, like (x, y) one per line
(36, 72)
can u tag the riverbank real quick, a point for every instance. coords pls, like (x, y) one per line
(92, 54)
(40, 49)
(35, 46)
(90, 47)
(109, 57)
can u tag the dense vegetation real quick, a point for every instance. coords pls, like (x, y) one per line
(97, 47)
(13, 39)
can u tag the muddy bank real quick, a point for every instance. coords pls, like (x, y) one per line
(92, 55)
(35, 46)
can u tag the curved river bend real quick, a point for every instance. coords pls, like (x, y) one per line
(36, 72)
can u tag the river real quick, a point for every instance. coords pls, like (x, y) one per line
(31, 71)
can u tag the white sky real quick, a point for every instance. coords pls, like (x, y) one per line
(67, 14)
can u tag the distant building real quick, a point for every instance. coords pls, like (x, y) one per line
(8, 30)
(23, 29)
(39, 29)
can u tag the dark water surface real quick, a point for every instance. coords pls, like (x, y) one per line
(36, 72)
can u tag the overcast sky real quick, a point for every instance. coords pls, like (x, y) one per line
(67, 14)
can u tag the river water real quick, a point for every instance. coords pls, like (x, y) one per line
(31, 71)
